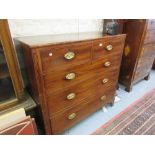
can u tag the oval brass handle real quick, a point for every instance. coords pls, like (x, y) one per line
(107, 64)
(70, 76)
(69, 55)
(109, 47)
(103, 98)
(71, 96)
(105, 80)
(72, 116)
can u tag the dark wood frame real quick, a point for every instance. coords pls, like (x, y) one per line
(12, 62)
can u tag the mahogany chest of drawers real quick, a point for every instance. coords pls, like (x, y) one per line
(72, 76)
(139, 51)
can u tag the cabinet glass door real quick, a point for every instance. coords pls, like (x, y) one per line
(7, 92)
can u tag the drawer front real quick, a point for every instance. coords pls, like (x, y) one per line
(82, 93)
(149, 38)
(107, 47)
(151, 24)
(56, 57)
(73, 115)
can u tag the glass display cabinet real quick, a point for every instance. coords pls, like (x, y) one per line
(11, 84)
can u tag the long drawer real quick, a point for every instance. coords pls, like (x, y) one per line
(82, 93)
(73, 115)
(64, 56)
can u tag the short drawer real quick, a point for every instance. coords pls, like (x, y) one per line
(73, 115)
(60, 56)
(81, 93)
(151, 24)
(149, 38)
(107, 47)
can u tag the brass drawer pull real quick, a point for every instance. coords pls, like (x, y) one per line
(71, 96)
(107, 64)
(103, 98)
(105, 80)
(109, 47)
(72, 116)
(69, 55)
(70, 76)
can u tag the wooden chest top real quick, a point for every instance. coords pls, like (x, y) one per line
(47, 40)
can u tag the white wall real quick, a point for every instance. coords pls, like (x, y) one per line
(29, 27)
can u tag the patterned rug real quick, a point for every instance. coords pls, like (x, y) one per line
(136, 119)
